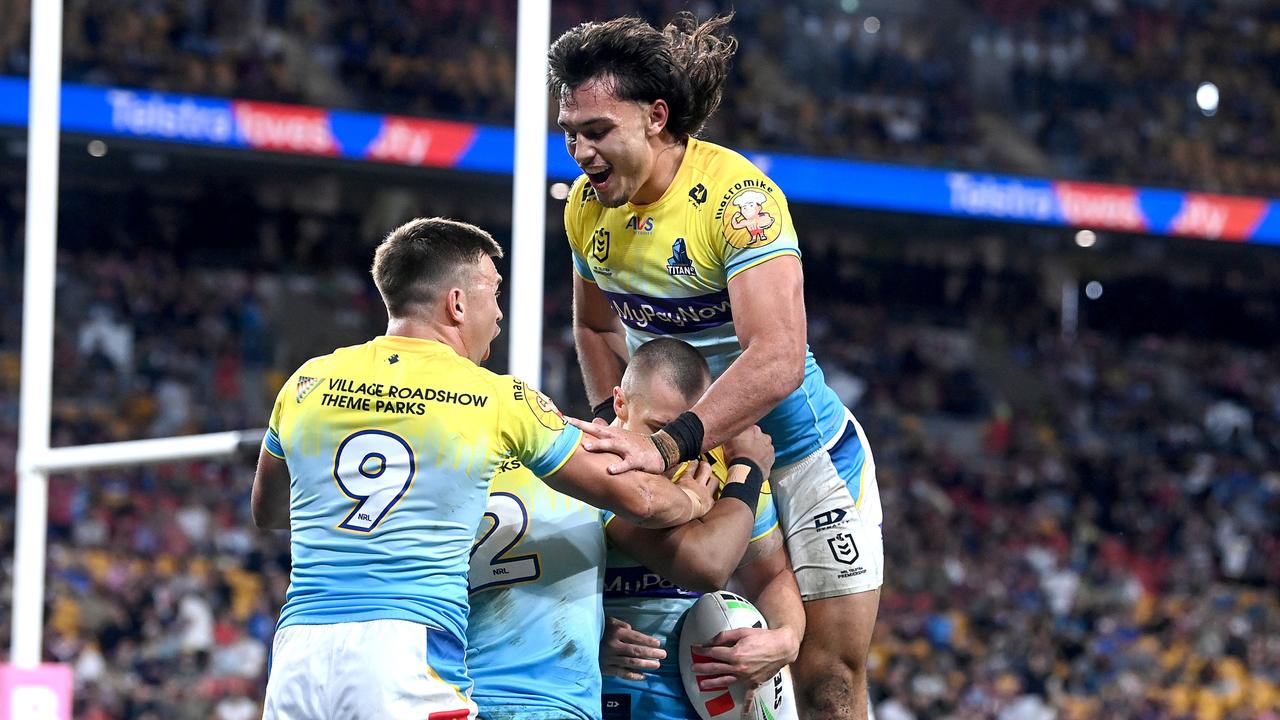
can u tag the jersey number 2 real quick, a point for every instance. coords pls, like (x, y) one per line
(490, 565)
(375, 468)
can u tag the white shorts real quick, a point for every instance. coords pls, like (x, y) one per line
(829, 511)
(377, 669)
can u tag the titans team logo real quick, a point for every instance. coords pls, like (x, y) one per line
(679, 262)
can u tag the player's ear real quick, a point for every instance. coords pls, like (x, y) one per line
(455, 304)
(659, 114)
(620, 404)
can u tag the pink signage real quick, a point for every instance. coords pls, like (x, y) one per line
(42, 693)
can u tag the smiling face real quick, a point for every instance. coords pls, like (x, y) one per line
(611, 139)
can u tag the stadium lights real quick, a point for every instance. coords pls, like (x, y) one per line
(1086, 238)
(849, 6)
(1207, 98)
(97, 148)
(1093, 290)
(559, 191)
(871, 25)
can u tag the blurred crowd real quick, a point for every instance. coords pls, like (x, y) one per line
(1105, 89)
(1077, 526)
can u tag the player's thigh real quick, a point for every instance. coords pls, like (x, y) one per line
(829, 510)
(299, 668)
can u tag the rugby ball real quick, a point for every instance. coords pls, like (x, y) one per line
(712, 614)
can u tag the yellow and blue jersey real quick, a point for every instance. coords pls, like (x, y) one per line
(654, 605)
(391, 446)
(537, 570)
(665, 270)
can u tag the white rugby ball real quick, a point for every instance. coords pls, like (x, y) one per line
(712, 614)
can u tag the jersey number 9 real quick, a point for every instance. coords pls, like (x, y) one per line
(375, 468)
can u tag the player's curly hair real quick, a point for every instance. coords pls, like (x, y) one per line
(685, 64)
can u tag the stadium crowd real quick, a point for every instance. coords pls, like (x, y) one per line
(1076, 527)
(1099, 90)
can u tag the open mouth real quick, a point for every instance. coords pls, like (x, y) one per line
(601, 177)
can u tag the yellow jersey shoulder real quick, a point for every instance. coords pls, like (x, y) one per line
(582, 210)
(749, 209)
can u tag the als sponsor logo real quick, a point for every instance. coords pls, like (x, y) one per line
(679, 262)
(600, 245)
(843, 548)
(830, 518)
(637, 224)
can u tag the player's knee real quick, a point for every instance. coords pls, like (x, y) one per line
(829, 685)
(830, 694)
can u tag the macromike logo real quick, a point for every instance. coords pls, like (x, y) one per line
(830, 518)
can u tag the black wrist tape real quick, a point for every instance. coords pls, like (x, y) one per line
(748, 491)
(604, 410)
(686, 431)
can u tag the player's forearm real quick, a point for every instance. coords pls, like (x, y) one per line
(602, 356)
(752, 386)
(710, 547)
(698, 555)
(667, 504)
(777, 597)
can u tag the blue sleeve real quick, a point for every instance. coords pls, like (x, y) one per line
(555, 456)
(766, 514)
(272, 443)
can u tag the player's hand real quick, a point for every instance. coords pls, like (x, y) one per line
(637, 451)
(754, 445)
(701, 485)
(624, 652)
(747, 655)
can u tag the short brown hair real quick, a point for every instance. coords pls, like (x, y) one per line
(684, 64)
(677, 362)
(416, 260)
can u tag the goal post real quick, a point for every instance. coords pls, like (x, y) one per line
(36, 460)
(35, 394)
(146, 452)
